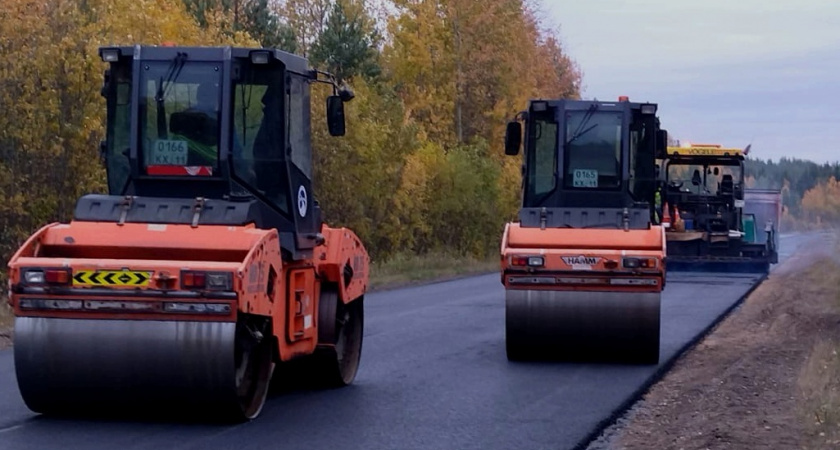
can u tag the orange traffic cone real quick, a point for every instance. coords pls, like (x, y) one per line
(666, 216)
(679, 225)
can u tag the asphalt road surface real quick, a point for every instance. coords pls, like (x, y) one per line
(433, 376)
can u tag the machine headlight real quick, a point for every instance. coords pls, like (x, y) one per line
(214, 281)
(219, 281)
(639, 263)
(539, 106)
(525, 260)
(260, 57)
(34, 277)
(110, 54)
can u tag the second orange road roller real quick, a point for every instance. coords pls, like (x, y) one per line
(584, 265)
(206, 268)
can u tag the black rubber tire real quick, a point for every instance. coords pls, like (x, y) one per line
(335, 361)
(254, 358)
(338, 362)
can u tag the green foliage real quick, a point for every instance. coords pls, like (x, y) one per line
(356, 175)
(267, 28)
(347, 45)
(53, 113)
(472, 226)
(254, 17)
(449, 202)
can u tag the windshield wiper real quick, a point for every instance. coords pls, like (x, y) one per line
(580, 131)
(172, 73)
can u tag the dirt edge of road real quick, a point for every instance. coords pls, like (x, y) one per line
(767, 376)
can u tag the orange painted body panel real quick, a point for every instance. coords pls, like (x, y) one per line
(262, 283)
(588, 238)
(341, 249)
(583, 259)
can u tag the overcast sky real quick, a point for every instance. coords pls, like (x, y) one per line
(722, 71)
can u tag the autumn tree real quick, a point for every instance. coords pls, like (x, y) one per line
(53, 113)
(307, 19)
(421, 168)
(256, 18)
(357, 176)
(264, 25)
(821, 204)
(347, 46)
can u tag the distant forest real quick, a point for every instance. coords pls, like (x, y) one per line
(810, 191)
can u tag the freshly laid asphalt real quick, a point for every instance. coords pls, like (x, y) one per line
(433, 376)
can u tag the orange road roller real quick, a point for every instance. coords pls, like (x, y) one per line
(584, 265)
(206, 268)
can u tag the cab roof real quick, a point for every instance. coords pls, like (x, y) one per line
(574, 104)
(293, 63)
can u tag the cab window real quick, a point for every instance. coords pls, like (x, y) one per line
(179, 118)
(258, 133)
(542, 157)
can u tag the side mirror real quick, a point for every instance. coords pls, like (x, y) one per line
(335, 115)
(513, 138)
(662, 143)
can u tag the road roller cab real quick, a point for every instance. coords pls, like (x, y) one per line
(583, 267)
(206, 265)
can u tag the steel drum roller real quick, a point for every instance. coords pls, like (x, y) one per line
(102, 366)
(582, 325)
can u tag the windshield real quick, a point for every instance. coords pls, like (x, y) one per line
(593, 150)
(179, 117)
(704, 179)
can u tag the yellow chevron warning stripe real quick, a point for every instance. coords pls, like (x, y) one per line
(111, 278)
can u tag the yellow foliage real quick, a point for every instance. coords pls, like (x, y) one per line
(421, 168)
(53, 113)
(822, 203)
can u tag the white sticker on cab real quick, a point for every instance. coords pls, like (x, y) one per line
(170, 152)
(586, 178)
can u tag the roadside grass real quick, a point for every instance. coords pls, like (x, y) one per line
(6, 317)
(6, 322)
(406, 269)
(819, 384)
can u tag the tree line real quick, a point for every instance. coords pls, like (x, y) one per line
(421, 168)
(810, 191)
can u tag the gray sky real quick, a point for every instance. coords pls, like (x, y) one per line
(722, 71)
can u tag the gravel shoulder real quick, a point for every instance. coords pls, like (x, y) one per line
(768, 376)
